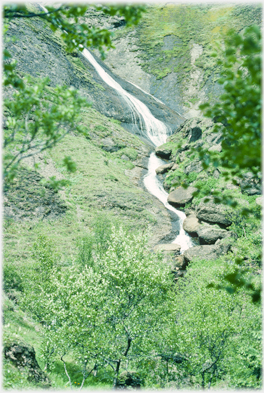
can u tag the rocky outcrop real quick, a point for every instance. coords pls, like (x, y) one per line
(109, 145)
(129, 379)
(171, 248)
(22, 356)
(213, 213)
(209, 234)
(181, 196)
(46, 57)
(163, 152)
(164, 168)
(191, 225)
(178, 267)
(207, 252)
(194, 166)
(28, 199)
(250, 185)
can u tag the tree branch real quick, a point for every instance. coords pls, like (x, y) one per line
(16, 14)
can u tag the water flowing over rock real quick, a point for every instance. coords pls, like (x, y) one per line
(152, 129)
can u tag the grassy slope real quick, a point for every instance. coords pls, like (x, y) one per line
(100, 184)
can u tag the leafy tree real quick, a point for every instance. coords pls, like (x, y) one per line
(238, 117)
(238, 109)
(69, 19)
(39, 116)
(218, 334)
(108, 312)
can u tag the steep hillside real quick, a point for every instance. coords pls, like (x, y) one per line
(56, 239)
(168, 53)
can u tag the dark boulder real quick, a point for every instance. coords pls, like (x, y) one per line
(163, 152)
(21, 356)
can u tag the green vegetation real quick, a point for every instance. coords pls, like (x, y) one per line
(113, 309)
(239, 108)
(167, 32)
(80, 282)
(102, 318)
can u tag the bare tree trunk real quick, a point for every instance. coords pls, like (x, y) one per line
(129, 341)
(66, 372)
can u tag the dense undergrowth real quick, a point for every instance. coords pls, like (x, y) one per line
(90, 307)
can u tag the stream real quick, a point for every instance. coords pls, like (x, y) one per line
(157, 133)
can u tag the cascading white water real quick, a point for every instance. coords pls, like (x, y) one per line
(157, 132)
(154, 186)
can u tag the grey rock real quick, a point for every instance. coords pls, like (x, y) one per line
(191, 224)
(214, 138)
(213, 213)
(164, 168)
(168, 248)
(250, 185)
(216, 173)
(209, 234)
(259, 201)
(109, 145)
(194, 166)
(208, 252)
(181, 196)
(189, 212)
(163, 152)
(216, 148)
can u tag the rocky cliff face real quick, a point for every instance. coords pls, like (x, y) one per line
(169, 53)
(41, 53)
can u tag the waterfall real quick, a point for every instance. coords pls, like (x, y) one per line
(154, 129)
(157, 132)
